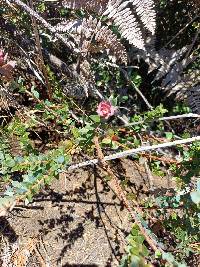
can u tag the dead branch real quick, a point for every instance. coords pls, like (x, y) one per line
(40, 55)
(133, 151)
(134, 214)
(43, 21)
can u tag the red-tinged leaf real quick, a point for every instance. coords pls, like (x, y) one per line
(115, 138)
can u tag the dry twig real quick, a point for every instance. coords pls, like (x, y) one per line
(134, 151)
(43, 21)
(40, 55)
(153, 244)
(136, 89)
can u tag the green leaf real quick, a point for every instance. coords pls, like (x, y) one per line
(125, 97)
(6, 201)
(35, 93)
(136, 142)
(158, 254)
(135, 261)
(99, 83)
(60, 159)
(30, 197)
(195, 196)
(16, 184)
(113, 100)
(21, 191)
(136, 78)
(115, 145)
(75, 132)
(95, 118)
(106, 141)
(10, 162)
(9, 192)
(124, 262)
(169, 135)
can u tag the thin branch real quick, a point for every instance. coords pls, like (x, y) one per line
(182, 116)
(135, 214)
(41, 63)
(43, 21)
(185, 27)
(134, 151)
(136, 88)
(193, 43)
(162, 159)
(189, 115)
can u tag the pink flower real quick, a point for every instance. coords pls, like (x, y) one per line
(105, 109)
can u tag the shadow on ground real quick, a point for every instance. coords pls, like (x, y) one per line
(79, 221)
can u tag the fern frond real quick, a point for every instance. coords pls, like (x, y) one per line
(129, 15)
(97, 6)
(123, 17)
(193, 98)
(68, 26)
(109, 40)
(96, 37)
(146, 11)
(182, 86)
(174, 75)
(165, 60)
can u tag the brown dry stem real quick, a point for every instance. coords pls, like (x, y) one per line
(153, 244)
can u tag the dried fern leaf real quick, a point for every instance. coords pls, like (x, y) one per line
(181, 87)
(85, 70)
(146, 11)
(122, 17)
(126, 21)
(122, 12)
(108, 39)
(174, 75)
(92, 30)
(165, 59)
(193, 98)
(68, 26)
(89, 27)
(104, 38)
(197, 3)
(74, 90)
(97, 6)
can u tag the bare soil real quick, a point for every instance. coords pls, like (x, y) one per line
(78, 221)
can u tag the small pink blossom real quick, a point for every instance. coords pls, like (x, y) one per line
(105, 109)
